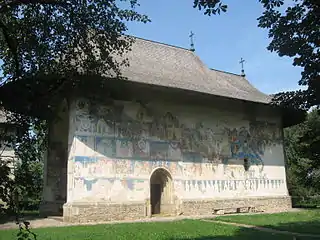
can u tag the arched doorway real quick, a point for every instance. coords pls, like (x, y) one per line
(161, 191)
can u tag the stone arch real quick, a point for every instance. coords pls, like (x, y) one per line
(161, 192)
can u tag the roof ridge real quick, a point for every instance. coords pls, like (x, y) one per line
(165, 44)
(170, 45)
(239, 75)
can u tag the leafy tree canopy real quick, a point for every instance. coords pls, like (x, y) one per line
(45, 48)
(302, 144)
(48, 43)
(294, 32)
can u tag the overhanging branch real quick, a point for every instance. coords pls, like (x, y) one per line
(6, 5)
(12, 45)
(11, 41)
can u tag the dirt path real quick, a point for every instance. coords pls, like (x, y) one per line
(270, 230)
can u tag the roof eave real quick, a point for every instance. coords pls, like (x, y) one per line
(291, 116)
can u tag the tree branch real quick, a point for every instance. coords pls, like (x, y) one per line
(12, 45)
(11, 42)
(6, 5)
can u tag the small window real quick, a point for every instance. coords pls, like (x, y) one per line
(246, 164)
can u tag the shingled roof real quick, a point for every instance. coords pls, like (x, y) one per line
(169, 66)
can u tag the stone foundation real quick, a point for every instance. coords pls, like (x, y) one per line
(101, 211)
(91, 212)
(235, 205)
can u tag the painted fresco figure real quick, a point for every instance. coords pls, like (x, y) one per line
(105, 146)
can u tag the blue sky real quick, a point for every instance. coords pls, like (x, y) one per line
(221, 40)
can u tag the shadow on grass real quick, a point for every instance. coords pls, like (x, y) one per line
(242, 234)
(311, 228)
(306, 222)
(305, 227)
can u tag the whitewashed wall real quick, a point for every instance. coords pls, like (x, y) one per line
(114, 148)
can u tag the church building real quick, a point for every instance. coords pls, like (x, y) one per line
(174, 138)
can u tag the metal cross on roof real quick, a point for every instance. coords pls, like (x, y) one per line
(242, 69)
(191, 41)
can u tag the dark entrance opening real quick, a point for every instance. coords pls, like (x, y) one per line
(161, 192)
(155, 198)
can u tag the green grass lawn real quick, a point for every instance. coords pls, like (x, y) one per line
(179, 230)
(306, 221)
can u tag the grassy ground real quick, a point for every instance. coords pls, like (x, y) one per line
(179, 230)
(306, 221)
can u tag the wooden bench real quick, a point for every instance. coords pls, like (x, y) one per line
(242, 209)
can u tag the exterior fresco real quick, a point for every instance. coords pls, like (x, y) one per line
(115, 148)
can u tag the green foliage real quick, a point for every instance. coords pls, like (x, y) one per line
(294, 33)
(306, 201)
(7, 140)
(302, 144)
(29, 171)
(31, 174)
(62, 37)
(21, 187)
(46, 46)
(210, 7)
(24, 231)
(6, 186)
(23, 176)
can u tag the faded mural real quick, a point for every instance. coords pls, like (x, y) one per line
(115, 149)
